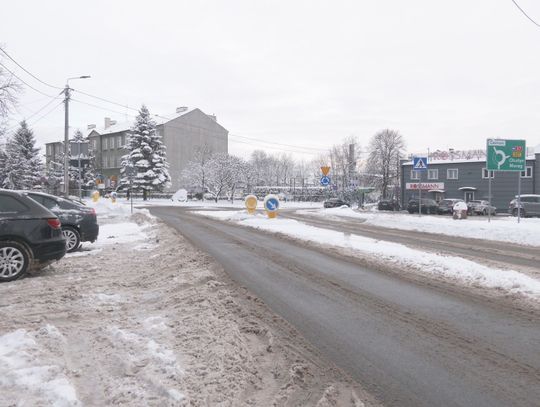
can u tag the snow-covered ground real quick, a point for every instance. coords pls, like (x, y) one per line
(501, 228)
(142, 318)
(451, 267)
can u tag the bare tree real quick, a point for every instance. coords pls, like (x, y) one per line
(384, 152)
(195, 173)
(9, 88)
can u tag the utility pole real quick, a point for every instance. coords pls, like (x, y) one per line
(66, 140)
(66, 133)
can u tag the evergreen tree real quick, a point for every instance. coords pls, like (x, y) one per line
(146, 155)
(22, 164)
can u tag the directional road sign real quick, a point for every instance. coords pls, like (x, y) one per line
(505, 155)
(271, 203)
(325, 181)
(420, 163)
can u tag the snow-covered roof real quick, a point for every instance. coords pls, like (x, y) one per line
(127, 125)
(463, 160)
(537, 149)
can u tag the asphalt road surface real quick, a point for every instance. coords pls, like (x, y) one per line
(408, 343)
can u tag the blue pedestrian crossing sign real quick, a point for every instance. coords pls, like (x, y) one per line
(420, 163)
(325, 181)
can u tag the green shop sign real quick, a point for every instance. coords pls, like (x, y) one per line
(505, 155)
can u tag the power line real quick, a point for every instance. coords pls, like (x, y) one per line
(280, 144)
(28, 72)
(30, 86)
(48, 113)
(106, 100)
(35, 113)
(43, 108)
(291, 149)
(525, 14)
(275, 148)
(101, 107)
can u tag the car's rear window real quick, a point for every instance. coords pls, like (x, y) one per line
(8, 204)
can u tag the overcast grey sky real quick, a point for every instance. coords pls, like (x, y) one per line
(306, 73)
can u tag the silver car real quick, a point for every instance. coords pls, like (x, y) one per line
(530, 205)
(480, 207)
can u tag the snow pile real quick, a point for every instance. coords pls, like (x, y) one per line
(25, 373)
(505, 229)
(106, 209)
(455, 268)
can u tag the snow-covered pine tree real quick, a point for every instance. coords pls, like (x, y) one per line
(22, 164)
(147, 155)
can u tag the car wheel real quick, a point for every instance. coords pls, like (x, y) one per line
(14, 261)
(73, 238)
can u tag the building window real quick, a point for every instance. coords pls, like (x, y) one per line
(433, 174)
(119, 142)
(415, 174)
(485, 174)
(48, 150)
(452, 173)
(527, 173)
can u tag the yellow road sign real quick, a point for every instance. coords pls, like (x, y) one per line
(325, 170)
(251, 203)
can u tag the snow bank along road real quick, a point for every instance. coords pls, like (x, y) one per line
(409, 342)
(501, 253)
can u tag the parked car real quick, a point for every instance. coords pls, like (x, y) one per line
(479, 207)
(335, 203)
(446, 205)
(79, 222)
(30, 236)
(428, 206)
(388, 205)
(530, 205)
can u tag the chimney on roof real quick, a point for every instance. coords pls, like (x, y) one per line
(90, 127)
(213, 117)
(112, 122)
(181, 109)
(107, 123)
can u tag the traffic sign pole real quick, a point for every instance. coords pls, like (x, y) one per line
(519, 197)
(489, 196)
(420, 195)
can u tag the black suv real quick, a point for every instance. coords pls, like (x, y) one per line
(428, 206)
(79, 223)
(388, 205)
(30, 236)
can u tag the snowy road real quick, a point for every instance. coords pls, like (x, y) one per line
(410, 342)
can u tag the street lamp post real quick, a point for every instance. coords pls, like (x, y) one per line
(66, 133)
